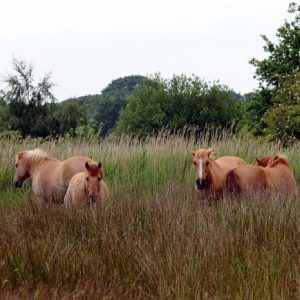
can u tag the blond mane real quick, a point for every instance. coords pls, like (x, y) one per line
(35, 156)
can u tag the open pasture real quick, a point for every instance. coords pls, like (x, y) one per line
(149, 240)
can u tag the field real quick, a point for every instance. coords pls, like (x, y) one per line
(150, 240)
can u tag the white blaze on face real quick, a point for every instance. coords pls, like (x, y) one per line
(200, 169)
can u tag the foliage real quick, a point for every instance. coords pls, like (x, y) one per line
(103, 109)
(27, 99)
(257, 103)
(284, 122)
(10, 135)
(70, 116)
(88, 103)
(177, 103)
(279, 79)
(114, 100)
(4, 114)
(284, 57)
(27, 106)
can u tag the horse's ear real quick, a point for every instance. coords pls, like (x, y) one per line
(209, 151)
(257, 160)
(99, 165)
(20, 154)
(275, 159)
(87, 166)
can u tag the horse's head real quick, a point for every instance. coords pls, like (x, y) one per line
(22, 172)
(201, 161)
(93, 180)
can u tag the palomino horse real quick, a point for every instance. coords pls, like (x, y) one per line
(211, 174)
(269, 173)
(50, 177)
(87, 187)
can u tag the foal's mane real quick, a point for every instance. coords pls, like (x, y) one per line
(278, 159)
(36, 156)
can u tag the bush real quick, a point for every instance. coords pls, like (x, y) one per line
(284, 122)
(176, 103)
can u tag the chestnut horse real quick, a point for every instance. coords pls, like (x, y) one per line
(87, 187)
(50, 177)
(269, 173)
(211, 174)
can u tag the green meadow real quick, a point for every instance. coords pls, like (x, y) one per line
(149, 240)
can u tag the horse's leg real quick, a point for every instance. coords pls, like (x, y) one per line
(197, 196)
(40, 202)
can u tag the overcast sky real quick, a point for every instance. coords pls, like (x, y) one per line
(86, 44)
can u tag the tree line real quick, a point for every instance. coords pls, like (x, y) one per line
(144, 105)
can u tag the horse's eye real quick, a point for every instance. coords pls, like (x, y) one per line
(194, 163)
(16, 165)
(87, 179)
(99, 178)
(207, 163)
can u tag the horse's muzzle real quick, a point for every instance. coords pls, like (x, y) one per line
(18, 184)
(201, 184)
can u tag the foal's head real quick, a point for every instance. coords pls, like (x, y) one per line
(93, 180)
(202, 161)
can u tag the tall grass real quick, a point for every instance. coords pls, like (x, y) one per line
(150, 240)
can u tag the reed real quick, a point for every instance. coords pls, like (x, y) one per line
(150, 240)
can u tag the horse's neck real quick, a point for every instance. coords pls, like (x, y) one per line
(278, 169)
(216, 175)
(35, 167)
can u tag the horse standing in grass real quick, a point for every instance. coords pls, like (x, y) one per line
(87, 187)
(269, 173)
(50, 177)
(211, 174)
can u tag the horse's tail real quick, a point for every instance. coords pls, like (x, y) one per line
(233, 183)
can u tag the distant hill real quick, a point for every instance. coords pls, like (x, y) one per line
(89, 103)
(105, 107)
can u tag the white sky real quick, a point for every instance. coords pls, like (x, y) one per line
(86, 44)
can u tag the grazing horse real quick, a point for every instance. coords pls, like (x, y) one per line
(87, 187)
(211, 174)
(50, 177)
(269, 173)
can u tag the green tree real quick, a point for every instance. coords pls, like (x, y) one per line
(69, 116)
(283, 57)
(279, 80)
(26, 99)
(114, 99)
(103, 109)
(4, 114)
(176, 103)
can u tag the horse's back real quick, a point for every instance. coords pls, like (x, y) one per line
(71, 167)
(229, 162)
(246, 178)
(282, 179)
